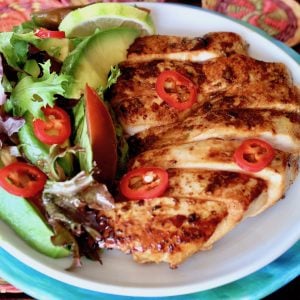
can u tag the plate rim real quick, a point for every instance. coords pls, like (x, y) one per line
(77, 293)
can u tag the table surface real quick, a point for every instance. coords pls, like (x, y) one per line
(292, 288)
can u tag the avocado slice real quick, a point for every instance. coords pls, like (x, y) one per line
(90, 62)
(36, 151)
(26, 221)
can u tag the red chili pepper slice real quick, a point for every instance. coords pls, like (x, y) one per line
(176, 89)
(253, 155)
(45, 33)
(144, 183)
(55, 129)
(22, 179)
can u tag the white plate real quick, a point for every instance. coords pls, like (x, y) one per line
(250, 246)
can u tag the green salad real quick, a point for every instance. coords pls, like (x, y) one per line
(61, 149)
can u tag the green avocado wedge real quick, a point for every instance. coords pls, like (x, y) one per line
(90, 62)
(25, 220)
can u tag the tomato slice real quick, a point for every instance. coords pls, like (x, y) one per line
(22, 179)
(102, 136)
(45, 33)
(176, 89)
(253, 155)
(144, 183)
(55, 129)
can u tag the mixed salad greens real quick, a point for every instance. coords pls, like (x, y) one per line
(61, 148)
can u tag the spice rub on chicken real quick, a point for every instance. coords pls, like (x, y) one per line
(225, 131)
(279, 128)
(167, 229)
(236, 81)
(217, 154)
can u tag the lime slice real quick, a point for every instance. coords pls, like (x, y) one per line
(84, 21)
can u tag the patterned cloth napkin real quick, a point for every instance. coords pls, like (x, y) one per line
(7, 288)
(279, 18)
(15, 12)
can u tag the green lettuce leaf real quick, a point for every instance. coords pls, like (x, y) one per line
(73, 208)
(111, 80)
(60, 158)
(81, 138)
(31, 94)
(14, 47)
(25, 27)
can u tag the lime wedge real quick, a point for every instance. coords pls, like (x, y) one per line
(84, 21)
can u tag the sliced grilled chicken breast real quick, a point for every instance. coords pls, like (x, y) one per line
(216, 154)
(209, 46)
(138, 106)
(279, 128)
(199, 207)
(238, 97)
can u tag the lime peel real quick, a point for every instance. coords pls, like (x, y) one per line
(84, 21)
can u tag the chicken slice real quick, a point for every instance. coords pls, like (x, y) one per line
(167, 229)
(138, 106)
(279, 128)
(259, 95)
(216, 154)
(209, 46)
(241, 193)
